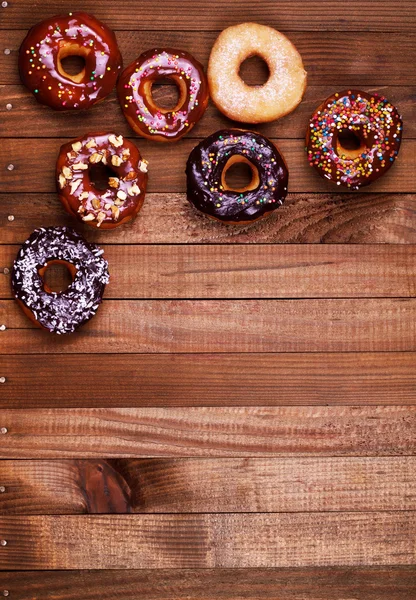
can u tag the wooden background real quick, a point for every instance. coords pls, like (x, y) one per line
(239, 420)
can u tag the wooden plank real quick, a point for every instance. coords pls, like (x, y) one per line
(169, 218)
(203, 432)
(36, 170)
(319, 583)
(329, 15)
(207, 541)
(47, 123)
(246, 485)
(153, 326)
(208, 380)
(262, 271)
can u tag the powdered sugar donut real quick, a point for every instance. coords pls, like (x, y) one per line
(284, 88)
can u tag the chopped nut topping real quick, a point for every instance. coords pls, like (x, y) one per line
(114, 182)
(118, 202)
(71, 155)
(96, 157)
(80, 166)
(116, 212)
(96, 203)
(76, 146)
(143, 166)
(130, 175)
(75, 185)
(83, 195)
(134, 190)
(88, 217)
(91, 144)
(116, 160)
(116, 141)
(108, 205)
(100, 218)
(122, 195)
(62, 181)
(125, 154)
(66, 171)
(81, 209)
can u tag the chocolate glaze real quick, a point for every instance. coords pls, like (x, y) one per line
(117, 204)
(135, 86)
(375, 122)
(75, 34)
(59, 312)
(205, 182)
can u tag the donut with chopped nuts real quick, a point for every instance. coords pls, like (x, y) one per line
(49, 42)
(61, 312)
(122, 199)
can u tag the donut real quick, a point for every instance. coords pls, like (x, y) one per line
(59, 312)
(353, 138)
(135, 94)
(124, 196)
(284, 88)
(209, 162)
(52, 40)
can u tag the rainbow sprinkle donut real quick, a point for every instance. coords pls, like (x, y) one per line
(353, 138)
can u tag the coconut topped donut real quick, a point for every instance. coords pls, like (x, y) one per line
(48, 43)
(59, 312)
(353, 138)
(281, 93)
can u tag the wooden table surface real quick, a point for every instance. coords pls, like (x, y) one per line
(239, 419)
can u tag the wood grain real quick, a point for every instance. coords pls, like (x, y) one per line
(305, 16)
(208, 379)
(230, 485)
(47, 123)
(153, 326)
(319, 583)
(169, 218)
(207, 541)
(36, 170)
(216, 432)
(262, 271)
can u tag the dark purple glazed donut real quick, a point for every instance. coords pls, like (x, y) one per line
(52, 40)
(59, 312)
(208, 163)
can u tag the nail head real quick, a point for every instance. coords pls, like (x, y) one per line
(3, 542)
(5, 4)
(3, 430)
(6, 270)
(5, 592)
(2, 489)
(3, 327)
(11, 217)
(7, 51)
(2, 380)
(10, 167)
(9, 106)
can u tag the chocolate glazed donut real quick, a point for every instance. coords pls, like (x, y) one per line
(354, 138)
(59, 312)
(52, 40)
(135, 94)
(207, 166)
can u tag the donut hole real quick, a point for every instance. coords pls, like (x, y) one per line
(71, 62)
(57, 276)
(165, 94)
(173, 81)
(254, 71)
(99, 175)
(350, 142)
(240, 175)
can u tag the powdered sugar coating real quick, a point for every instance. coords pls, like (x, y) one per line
(278, 96)
(60, 312)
